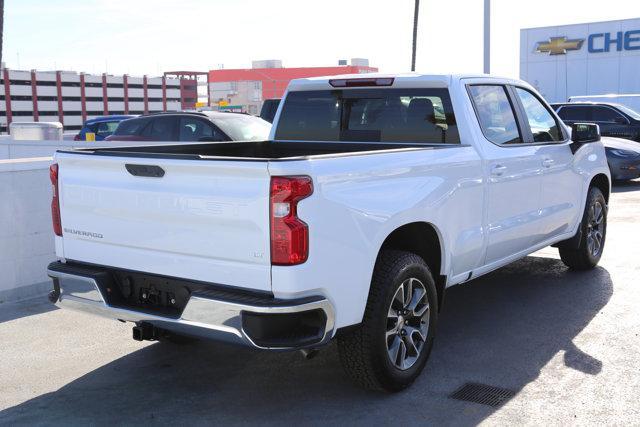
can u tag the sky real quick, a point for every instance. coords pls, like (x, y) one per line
(139, 37)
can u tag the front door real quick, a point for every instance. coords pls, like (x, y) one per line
(513, 172)
(561, 185)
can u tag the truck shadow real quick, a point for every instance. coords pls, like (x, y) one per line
(501, 329)
(30, 307)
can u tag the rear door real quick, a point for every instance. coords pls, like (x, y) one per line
(204, 220)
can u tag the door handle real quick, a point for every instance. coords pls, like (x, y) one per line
(498, 170)
(547, 163)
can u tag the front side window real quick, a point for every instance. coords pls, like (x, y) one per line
(194, 129)
(495, 114)
(544, 126)
(607, 115)
(369, 115)
(242, 127)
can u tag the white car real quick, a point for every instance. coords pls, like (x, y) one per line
(374, 195)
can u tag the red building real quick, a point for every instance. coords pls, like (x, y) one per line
(273, 81)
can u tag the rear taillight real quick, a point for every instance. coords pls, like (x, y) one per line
(55, 200)
(289, 234)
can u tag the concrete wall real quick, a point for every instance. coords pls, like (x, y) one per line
(26, 237)
(10, 149)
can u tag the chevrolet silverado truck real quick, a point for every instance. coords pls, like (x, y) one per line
(373, 195)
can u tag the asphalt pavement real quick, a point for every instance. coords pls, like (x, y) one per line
(565, 342)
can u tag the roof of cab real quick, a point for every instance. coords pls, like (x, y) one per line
(401, 80)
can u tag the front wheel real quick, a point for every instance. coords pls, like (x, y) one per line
(594, 230)
(390, 348)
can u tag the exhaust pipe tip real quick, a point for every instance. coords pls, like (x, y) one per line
(309, 353)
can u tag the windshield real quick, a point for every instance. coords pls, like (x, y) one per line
(240, 127)
(632, 113)
(369, 115)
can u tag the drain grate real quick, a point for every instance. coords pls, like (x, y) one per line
(483, 394)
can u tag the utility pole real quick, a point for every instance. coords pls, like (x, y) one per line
(487, 37)
(415, 34)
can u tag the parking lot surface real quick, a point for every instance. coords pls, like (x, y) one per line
(566, 342)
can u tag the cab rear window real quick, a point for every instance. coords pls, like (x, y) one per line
(369, 115)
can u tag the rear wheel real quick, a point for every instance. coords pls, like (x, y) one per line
(390, 348)
(594, 230)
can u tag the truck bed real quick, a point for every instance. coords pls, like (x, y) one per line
(256, 150)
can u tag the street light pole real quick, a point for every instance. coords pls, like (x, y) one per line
(487, 37)
(415, 34)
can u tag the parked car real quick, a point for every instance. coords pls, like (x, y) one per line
(614, 119)
(192, 127)
(102, 127)
(351, 222)
(630, 100)
(269, 108)
(623, 157)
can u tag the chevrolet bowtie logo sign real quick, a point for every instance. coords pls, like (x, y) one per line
(559, 45)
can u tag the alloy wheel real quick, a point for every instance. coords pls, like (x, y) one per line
(407, 324)
(595, 229)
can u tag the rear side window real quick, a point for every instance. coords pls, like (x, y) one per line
(160, 129)
(495, 114)
(131, 127)
(369, 115)
(106, 128)
(575, 114)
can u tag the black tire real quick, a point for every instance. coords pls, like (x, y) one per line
(365, 350)
(583, 257)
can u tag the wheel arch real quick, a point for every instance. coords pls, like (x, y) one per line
(601, 181)
(423, 239)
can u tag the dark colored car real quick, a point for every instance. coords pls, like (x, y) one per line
(623, 155)
(192, 126)
(269, 108)
(102, 127)
(614, 119)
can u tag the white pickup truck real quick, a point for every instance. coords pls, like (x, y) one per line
(374, 195)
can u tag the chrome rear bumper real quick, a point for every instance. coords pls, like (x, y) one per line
(203, 316)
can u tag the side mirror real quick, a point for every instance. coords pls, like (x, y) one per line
(584, 133)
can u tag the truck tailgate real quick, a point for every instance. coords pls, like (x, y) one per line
(205, 220)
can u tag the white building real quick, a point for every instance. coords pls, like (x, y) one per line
(71, 98)
(582, 59)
